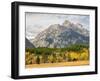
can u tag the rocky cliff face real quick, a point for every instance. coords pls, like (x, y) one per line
(60, 36)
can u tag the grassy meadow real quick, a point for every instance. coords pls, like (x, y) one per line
(77, 54)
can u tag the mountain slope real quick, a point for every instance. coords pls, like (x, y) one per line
(28, 44)
(62, 35)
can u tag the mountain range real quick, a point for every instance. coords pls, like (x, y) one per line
(60, 36)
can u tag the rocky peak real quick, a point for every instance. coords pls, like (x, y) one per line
(55, 26)
(66, 23)
(79, 25)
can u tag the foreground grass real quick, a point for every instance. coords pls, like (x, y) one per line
(62, 64)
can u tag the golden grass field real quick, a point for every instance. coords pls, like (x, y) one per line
(43, 65)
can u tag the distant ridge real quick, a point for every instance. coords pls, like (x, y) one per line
(28, 44)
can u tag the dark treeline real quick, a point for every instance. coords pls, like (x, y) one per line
(45, 50)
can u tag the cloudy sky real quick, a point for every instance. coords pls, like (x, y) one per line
(37, 22)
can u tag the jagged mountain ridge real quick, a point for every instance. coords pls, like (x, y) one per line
(60, 36)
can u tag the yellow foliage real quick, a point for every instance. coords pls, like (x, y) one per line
(84, 55)
(31, 58)
(74, 56)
